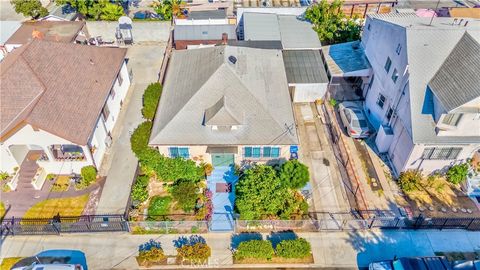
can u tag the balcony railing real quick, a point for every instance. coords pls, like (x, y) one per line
(67, 153)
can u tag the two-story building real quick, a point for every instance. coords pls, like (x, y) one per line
(59, 105)
(423, 96)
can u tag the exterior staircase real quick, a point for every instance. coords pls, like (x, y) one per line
(28, 169)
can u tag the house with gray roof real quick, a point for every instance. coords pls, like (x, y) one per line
(225, 105)
(424, 94)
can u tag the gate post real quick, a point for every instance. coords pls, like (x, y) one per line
(371, 223)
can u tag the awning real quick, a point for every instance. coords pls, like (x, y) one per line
(222, 149)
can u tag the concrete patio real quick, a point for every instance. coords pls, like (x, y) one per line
(222, 177)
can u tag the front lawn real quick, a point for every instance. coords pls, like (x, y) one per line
(72, 206)
(62, 183)
(159, 206)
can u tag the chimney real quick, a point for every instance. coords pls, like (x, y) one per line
(224, 39)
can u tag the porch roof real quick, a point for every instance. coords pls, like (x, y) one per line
(347, 59)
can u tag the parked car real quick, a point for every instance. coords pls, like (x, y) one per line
(354, 119)
(412, 263)
(50, 267)
(55, 259)
(145, 15)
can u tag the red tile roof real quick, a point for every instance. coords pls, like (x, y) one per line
(57, 87)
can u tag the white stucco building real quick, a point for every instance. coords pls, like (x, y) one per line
(60, 103)
(423, 96)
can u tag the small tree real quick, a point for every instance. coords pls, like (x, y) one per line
(140, 137)
(294, 174)
(29, 8)
(111, 12)
(410, 180)
(457, 173)
(151, 97)
(296, 248)
(89, 174)
(185, 193)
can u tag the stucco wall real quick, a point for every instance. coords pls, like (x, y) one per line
(309, 92)
(199, 153)
(114, 101)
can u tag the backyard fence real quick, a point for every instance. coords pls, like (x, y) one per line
(58, 225)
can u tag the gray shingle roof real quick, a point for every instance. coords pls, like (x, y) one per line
(304, 66)
(290, 30)
(428, 46)
(254, 91)
(208, 14)
(458, 80)
(204, 32)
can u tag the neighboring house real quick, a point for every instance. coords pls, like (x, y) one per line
(8, 29)
(203, 28)
(61, 13)
(60, 103)
(307, 79)
(61, 31)
(424, 94)
(225, 105)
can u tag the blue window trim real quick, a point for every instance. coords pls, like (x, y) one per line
(182, 152)
(247, 152)
(275, 152)
(261, 151)
(267, 152)
(256, 152)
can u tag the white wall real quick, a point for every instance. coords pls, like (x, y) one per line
(309, 92)
(28, 136)
(201, 22)
(98, 141)
(114, 101)
(281, 11)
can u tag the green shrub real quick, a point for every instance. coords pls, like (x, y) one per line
(333, 102)
(159, 206)
(257, 249)
(294, 174)
(50, 176)
(207, 168)
(185, 193)
(140, 137)
(140, 189)
(4, 175)
(89, 174)
(297, 248)
(151, 97)
(197, 253)
(457, 173)
(410, 180)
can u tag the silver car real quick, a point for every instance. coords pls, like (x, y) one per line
(354, 119)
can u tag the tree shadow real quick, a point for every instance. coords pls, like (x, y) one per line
(190, 241)
(236, 239)
(277, 237)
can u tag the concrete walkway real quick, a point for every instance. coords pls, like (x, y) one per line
(120, 163)
(222, 218)
(342, 250)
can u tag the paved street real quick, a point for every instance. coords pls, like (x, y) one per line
(327, 188)
(342, 250)
(120, 163)
(7, 13)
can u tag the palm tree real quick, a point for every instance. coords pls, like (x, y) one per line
(169, 8)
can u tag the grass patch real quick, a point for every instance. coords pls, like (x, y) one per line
(7, 263)
(159, 206)
(61, 184)
(72, 206)
(275, 260)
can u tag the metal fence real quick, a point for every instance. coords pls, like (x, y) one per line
(58, 225)
(336, 224)
(162, 227)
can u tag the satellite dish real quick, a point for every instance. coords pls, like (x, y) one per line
(124, 20)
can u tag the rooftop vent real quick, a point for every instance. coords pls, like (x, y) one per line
(232, 59)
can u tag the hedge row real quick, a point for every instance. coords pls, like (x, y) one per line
(263, 249)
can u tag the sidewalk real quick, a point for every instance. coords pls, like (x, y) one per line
(348, 250)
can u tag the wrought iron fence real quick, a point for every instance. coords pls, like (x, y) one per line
(58, 225)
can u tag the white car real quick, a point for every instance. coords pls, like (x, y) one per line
(50, 267)
(354, 119)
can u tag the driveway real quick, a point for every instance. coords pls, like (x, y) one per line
(120, 163)
(327, 187)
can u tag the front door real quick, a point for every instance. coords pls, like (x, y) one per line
(222, 159)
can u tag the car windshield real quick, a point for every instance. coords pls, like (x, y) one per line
(359, 123)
